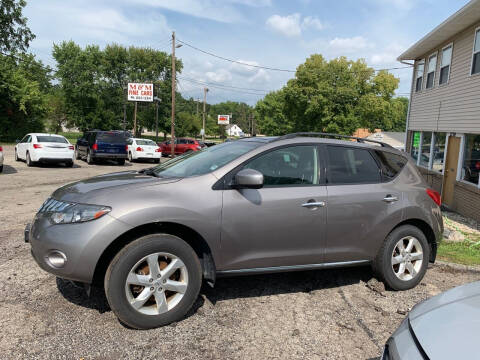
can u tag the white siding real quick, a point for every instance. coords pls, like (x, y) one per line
(455, 106)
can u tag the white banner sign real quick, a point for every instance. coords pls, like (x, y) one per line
(223, 119)
(140, 92)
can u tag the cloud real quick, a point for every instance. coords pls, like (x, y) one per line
(219, 76)
(312, 22)
(226, 11)
(243, 69)
(260, 77)
(349, 45)
(398, 4)
(288, 26)
(388, 55)
(293, 25)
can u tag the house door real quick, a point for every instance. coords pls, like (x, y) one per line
(450, 176)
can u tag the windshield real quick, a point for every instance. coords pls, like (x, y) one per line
(205, 161)
(145, 142)
(52, 139)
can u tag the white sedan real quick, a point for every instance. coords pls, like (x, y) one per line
(143, 149)
(51, 148)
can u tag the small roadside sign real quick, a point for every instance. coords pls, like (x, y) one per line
(223, 119)
(140, 92)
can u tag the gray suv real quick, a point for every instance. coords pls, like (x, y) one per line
(258, 205)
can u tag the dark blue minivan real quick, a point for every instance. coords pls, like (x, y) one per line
(97, 144)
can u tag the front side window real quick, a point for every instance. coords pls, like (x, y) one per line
(348, 165)
(289, 166)
(476, 54)
(425, 153)
(432, 66)
(438, 151)
(471, 159)
(445, 65)
(419, 76)
(415, 145)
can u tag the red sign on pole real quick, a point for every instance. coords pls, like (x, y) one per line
(223, 119)
(140, 92)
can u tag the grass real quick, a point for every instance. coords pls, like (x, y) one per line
(464, 252)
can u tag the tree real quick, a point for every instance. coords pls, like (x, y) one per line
(22, 101)
(15, 35)
(336, 96)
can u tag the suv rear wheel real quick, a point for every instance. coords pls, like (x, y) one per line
(89, 158)
(403, 259)
(153, 281)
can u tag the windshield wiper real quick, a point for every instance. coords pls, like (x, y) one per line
(148, 172)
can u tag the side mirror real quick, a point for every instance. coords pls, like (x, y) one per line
(17, 141)
(249, 179)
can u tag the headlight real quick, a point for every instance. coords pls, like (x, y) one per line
(60, 212)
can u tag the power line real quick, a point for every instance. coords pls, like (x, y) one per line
(227, 86)
(268, 67)
(201, 84)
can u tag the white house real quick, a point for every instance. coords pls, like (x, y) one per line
(234, 130)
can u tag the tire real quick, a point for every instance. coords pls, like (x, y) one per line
(77, 155)
(119, 294)
(156, 161)
(28, 160)
(16, 156)
(69, 164)
(1, 168)
(121, 162)
(390, 253)
(130, 157)
(90, 160)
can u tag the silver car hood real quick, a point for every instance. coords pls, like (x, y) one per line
(447, 326)
(104, 185)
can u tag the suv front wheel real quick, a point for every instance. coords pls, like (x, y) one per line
(403, 259)
(153, 281)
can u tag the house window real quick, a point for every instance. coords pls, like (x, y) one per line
(431, 67)
(471, 159)
(415, 145)
(445, 65)
(476, 54)
(438, 152)
(419, 78)
(425, 153)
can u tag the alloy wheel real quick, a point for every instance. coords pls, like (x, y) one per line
(156, 283)
(407, 258)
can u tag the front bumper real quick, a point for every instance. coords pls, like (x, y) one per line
(81, 243)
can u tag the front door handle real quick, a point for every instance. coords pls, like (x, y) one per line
(314, 204)
(390, 198)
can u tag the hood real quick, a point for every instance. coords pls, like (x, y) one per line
(447, 326)
(88, 189)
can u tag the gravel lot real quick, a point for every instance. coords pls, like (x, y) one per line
(303, 315)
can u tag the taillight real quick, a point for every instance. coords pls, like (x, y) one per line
(435, 196)
(139, 149)
(477, 164)
(37, 146)
(1, 148)
(71, 147)
(158, 150)
(95, 147)
(126, 147)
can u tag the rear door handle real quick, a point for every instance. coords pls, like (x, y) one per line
(390, 198)
(314, 204)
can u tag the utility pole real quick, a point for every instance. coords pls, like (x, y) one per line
(124, 116)
(156, 122)
(174, 85)
(135, 120)
(205, 90)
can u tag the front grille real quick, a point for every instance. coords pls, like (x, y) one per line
(52, 205)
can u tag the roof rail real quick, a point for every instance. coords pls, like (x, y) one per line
(327, 135)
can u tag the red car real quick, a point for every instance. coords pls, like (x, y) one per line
(182, 145)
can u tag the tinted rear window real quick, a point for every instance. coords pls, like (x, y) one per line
(111, 138)
(348, 165)
(146, 142)
(391, 164)
(52, 139)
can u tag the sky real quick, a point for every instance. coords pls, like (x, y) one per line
(273, 33)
